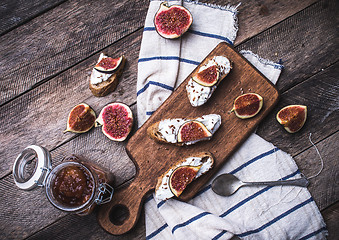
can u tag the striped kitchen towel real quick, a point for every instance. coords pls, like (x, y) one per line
(252, 212)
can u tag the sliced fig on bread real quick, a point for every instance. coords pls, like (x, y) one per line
(175, 180)
(105, 75)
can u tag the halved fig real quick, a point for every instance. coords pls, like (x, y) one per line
(116, 120)
(172, 21)
(193, 131)
(208, 76)
(292, 117)
(181, 177)
(81, 119)
(247, 105)
(108, 64)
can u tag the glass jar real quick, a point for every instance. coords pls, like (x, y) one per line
(73, 186)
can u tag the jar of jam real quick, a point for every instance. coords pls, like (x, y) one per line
(73, 186)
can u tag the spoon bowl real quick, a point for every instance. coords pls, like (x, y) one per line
(227, 184)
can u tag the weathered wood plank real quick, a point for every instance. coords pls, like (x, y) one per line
(90, 229)
(61, 38)
(306, 43)
(14, 13)
(309, 163)
(320, 94)
(49, 40)
(43, 111)
(331, 217)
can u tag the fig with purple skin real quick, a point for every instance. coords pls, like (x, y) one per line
(108, 64)
(181, 177)
(292, 117)
(116, 120)
(80, 119)
(193, 131)
(247, 105)
(207, 77)
(172, 21)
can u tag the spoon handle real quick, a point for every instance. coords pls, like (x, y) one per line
(301, 182)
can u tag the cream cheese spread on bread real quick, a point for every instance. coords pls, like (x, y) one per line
(169, 128)
(163, 191)
(98, 77)
(199, 94)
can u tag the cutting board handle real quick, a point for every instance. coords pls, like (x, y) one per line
(121, 214)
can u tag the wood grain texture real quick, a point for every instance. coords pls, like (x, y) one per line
(43, 111)
(331, 217)
(320, 94)
(232, 132)
(59, 39)
(68, 34)
(325, 187)
(306, 43)
(14, 13)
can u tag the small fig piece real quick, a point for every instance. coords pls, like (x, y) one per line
(172, 21)
(192, 131)
(292, 117)
(208, 76)
(116, 120)
(81, 119)
(108, 64)
(181, 177)
(247, 105)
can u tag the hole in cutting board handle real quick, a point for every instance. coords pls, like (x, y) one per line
(119, 214)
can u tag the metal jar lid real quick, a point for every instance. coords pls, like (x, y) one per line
(43, 165)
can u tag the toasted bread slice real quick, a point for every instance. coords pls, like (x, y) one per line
(166, 131)
(105, 87)
(203, 160)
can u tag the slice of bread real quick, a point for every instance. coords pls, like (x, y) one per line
(104, 88)
(162, 189)
(153, 132)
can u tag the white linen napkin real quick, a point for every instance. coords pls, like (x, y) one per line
(252, 212)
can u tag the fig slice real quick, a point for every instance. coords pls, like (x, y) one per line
(247, 105)
(108, 64)
(172, 21)
(292, 117)
(80, 119)
(181, 177)
(207, 76)
(116, 120)
(193, 131)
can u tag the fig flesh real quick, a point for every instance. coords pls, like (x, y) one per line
(247, 105)
(108, 64)
(181, 177)
(116, 120)
(193, 131)
(208, 76)
(172, 21)
(80, 119)
(292, 117)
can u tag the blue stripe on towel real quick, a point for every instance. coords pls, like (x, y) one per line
(241, 167)
(219, 235)
(240, 203)
(155, 84)
(169, 58)
(190, 221)
(276, 219)
(210, 35)
(149, 113)
(157, 231)
(308, 236)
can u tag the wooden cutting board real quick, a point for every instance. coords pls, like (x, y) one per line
(152, 159)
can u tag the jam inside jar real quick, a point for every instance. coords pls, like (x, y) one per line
(77, 186)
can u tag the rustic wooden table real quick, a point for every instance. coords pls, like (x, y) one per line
(48, 49)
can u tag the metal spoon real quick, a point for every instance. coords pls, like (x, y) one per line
(227, 184)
